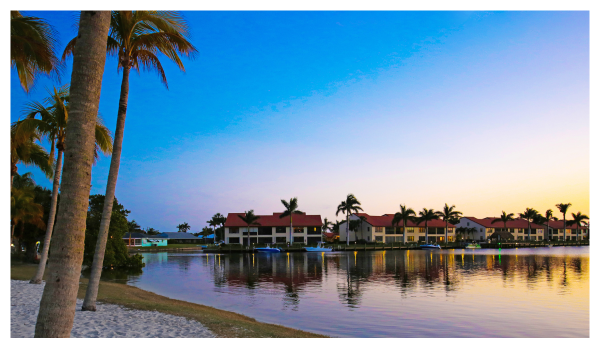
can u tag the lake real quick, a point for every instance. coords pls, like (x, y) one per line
(446, 293)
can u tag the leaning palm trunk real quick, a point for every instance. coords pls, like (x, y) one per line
(89, 303)
(57, 307)
(37, 279)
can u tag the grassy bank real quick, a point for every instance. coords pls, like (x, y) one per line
(222, 323)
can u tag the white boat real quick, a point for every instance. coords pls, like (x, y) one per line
(319, 248)
(430, 246)
(473, 246)
(268, 249)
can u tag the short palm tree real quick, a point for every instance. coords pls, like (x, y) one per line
(217, 219)
(52, 125)
(326, 225)
(290, 209)
(32, 48)
(528, 214)
(404, 215)
(23, 149)
(137, 38)
(446, 215)
(250, 219)
(426, 215)
(562, 208)
(578, 218)
(504, 218)
(183, 227)
(349, 206)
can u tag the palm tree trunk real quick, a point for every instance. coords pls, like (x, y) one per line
(426, 233)
(248, 236)
(565, 227)
(404, 234)
(37, 279)
(89, 303)
(291, 231)
(548, 231)
(347, 229)
(529, 234)
(446, 232)
(57, 307)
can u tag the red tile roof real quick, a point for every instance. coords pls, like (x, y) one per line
(561, 225)
(331, 234)
(517, 223)
(386, 221)
(299, 220)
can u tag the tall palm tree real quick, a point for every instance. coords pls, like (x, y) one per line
(356, 225)
(578, 219)
(528, 214)
(404, 215)
(290, 209)
(217, 219)
(426, 215)
(446, 214)
(52, 125)
(23, 209)
(504, 218)
(32, 48)
(183, 227)
(23, 149)
(350, 205)
(549, 218)
(137, 37)
(57, 306)
(562, 208)
(250, 219)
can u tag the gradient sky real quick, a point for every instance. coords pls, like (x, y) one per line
(485, 110)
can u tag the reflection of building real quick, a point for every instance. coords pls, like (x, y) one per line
(273, 229)
(380, 229)
(140, 239)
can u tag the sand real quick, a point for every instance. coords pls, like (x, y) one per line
(108, 321)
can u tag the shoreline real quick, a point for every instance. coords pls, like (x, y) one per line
(222, 323)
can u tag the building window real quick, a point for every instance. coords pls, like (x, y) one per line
(234, 230)
(410, 238)
(265, 231)
(520, 231)
(280, 230)
(298, 230)
(450, 230)
(421, 238)
(314, 230)
(481, 230)
(368, 229)
(389, 231)
(422, 230)
(298, 239)
(280, 239)
(512, 230)
(378, 238)
(234, 240)
(468, 224)
(378, 229)
(450, 238)
(410, 230)
(481, 237)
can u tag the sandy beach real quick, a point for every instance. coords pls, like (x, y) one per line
(108, 321)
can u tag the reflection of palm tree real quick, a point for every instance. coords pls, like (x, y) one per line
(404, 215)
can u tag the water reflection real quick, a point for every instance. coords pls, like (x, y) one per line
(514, 292)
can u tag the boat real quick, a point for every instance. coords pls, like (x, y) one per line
(430, 246)
(318, 248)
(473, 246)
(267, 249)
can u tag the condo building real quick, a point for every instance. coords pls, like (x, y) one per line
(380, 229)
(273, 229)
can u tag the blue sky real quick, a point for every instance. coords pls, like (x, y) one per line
(485, 110)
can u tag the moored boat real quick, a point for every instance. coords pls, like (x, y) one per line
(318, 248)
(473, 246)
(267, 249)
(430, 246)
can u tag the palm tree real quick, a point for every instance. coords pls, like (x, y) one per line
(426, 215)
(350, 205)
(250, 219)
(549, 218)
(336, 226)
(290, 209)
(53, 126)
(404, 215)
(132, 226)
(355, 225)
(32, 48)
(217, 219)
(446, 214)
(137, 37)
(23, 209)
(563, 207)
(504, 218)
(578, 219)
(55, 316)
(183, 227)
(23, 149)
(529, 214)
(325, 225)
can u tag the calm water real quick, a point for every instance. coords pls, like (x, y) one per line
(447, 293)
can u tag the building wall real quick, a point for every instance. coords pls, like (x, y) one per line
(371, 234)
(483, 233)
(274, 237)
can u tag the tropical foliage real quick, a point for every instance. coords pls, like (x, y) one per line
(291, 208)
(578, 219)
(250, 219)
(425, 216)
(529, 214)
(447, 214)
(405, 215)
(349, 206)
(183, 227)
